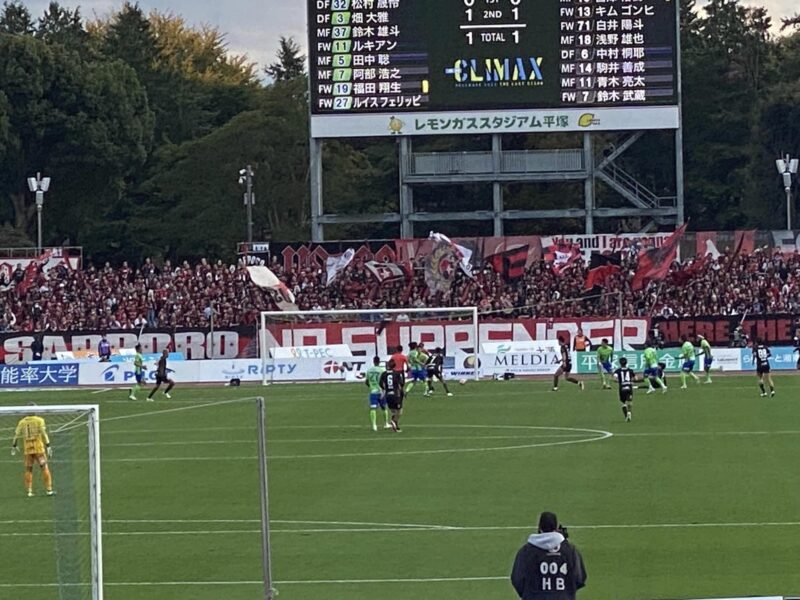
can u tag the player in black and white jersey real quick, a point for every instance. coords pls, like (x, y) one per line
(566, 366)
(761, 356)
(626, 379)
(434, 371)
(392, 383)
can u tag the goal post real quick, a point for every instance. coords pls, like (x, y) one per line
(74, 433)
(324, 345)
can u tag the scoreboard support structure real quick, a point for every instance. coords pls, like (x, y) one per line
(496, 168)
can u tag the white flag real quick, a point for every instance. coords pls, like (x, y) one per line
(266, 279)
(464, 254)
(336, 264)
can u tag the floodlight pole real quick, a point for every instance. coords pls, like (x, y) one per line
(246, 178)
(787, 168)
(39, 185)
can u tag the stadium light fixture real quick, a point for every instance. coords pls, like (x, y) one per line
(246, 179)
(787, 168)
(39, 185)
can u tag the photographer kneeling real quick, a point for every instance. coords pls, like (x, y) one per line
(548, 567)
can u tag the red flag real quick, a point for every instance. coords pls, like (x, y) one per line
(511, 263)
(563, 255)
(599, 276)
(654, 263)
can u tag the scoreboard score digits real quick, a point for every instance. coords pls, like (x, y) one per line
(421, 67)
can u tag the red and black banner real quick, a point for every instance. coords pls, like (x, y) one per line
(511, 263)
(772, 329)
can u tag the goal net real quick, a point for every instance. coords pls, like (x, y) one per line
(51, 519)
(339, 345)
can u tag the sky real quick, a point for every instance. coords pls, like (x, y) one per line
(253, 27)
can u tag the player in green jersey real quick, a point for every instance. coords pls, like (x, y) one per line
(376, 399)
(417, 359)
(138, 371)
(705, 352)
(688, 355)
(605, 356)
(652, 370)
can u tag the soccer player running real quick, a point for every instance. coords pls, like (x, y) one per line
(625, 379)
(705, 352)
(434, 370)
(162, 377)
(376, 398)
(761, 356)
(138, 371)
(653, 371)
(566, 366)
(605, 354)
(32, 430)
(688, 356)
(391, 382)
(417, 357)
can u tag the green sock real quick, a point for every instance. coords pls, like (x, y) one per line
(135, 390)
(603, 379)
(683, 377)
(386, 416)
(373, 417)
(660, 382)
(409, 386)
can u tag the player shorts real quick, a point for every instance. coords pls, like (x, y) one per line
(566, 368)
(688, 366)
(625, 396)
(394, 402)
(418, 374)
(431, 373)
(606, 366)
(707, 361)
(762, 370)
(139, 377)
(34, 459)
(651, 372)
(161, 379)
(376, 400)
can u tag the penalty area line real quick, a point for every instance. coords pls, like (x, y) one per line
(259, 583)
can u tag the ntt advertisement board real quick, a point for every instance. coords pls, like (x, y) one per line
(423, 67)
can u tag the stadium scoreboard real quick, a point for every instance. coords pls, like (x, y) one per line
(425, 67)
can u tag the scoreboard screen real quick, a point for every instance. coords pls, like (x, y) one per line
(424, 67)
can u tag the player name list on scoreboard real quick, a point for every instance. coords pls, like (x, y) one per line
(395, 56)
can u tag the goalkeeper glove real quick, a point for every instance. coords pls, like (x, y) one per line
(49, 452)
(13, 450)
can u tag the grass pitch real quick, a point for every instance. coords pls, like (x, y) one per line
(697, 497)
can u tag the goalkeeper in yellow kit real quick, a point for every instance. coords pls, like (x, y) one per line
(32, 430)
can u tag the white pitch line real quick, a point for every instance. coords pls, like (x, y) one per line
(258, 583)
(371, 439)
(389, 528)
(102, 391)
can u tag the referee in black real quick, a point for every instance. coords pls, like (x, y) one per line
(548, 567)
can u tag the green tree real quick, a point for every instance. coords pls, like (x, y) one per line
(16, 19)
(86, 125)
(60, 25)
(290, 62)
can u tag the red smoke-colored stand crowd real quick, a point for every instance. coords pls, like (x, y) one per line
(184, 295)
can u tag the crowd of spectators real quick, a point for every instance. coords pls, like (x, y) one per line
(185, 295)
